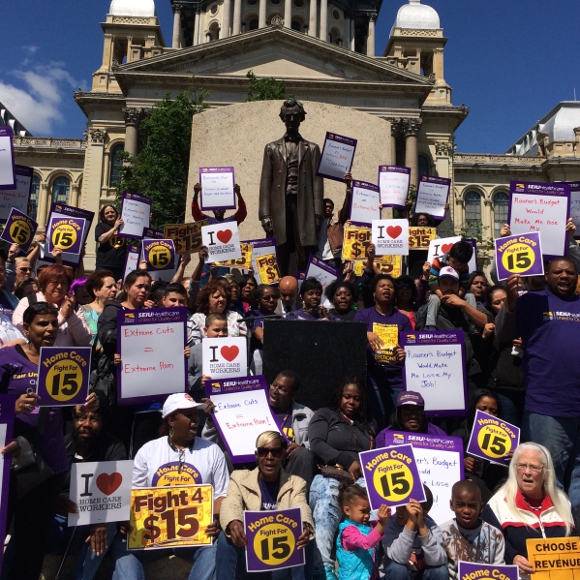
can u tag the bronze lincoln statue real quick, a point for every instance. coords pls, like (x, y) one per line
(291, 206)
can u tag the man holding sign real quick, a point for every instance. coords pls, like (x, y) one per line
(219, 214)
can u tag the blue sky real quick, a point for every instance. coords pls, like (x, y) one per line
(510, 61)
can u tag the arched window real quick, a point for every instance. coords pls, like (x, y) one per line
(253, 24)
(60, 190)
(473, 224)
(424, 165)
(296, 25)
(213, 32)
(116, 164)
(500, 212)
(34, 193)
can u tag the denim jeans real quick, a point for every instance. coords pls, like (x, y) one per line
(561, 435)
(396, 571)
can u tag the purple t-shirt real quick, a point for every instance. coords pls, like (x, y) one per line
(17, 374)
(550, 330)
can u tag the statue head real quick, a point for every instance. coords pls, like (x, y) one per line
(292, 113)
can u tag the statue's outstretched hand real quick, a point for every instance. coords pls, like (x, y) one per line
(267, 225)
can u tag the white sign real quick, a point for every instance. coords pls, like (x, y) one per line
(440, 247)
(337, 156)
(135, 212)
(394, 185)
(264, 247)
(217, 188)
(222, 241)
(324, 273)
(391, 237)
(16, 198)
(7, 177)
(432, 195)
(365, 202)
(575, 205)
(225, 358)
(132, 260)
(102, 492)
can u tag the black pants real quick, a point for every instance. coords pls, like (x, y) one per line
(292, 255)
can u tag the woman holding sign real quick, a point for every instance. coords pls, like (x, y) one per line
(112, 250)
(529, 505)
(32, 501)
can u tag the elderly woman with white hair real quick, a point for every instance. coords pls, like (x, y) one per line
(529, 505)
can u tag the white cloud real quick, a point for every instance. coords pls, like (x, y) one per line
(30, 49)
(37, 102)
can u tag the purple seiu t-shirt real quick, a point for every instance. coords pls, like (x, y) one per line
(392, 373)
(550, 330)
(269, 491)
(19, 374)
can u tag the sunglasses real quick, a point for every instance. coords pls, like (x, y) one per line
(264, 451)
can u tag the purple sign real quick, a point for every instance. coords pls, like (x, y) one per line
(391, 476)
(435, 367)
(242, 413)
(7, 175)
(19, 197)
(262, 247)
(63, 375)
(543, 208)
(337, 156)
(575, 205)
(272, 540)
(132, 259)
(159, 255)
(394, 185)
(136, 213)
(151, 343)
(520, 254)
(217, 188)
(19, 229)
(153, 234)
(6, 427)
(364, 203)
(493, 439)
(432, 195)
(66, 234)
(468, 571)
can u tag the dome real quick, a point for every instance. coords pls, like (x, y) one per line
(138, 8)
(417, 16)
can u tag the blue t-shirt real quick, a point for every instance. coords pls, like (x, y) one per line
(550, 330)
(269, 491)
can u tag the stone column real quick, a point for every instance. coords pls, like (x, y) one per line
(352, 34)
(262, 14)
(312, 20)
(411, 128)
(196, 28)
(346, 40)
(438, 64)
(396, 126)
(42, 205)
(227, 19)
(133, 117)
(74, 195)
(371, 36)
(288, 13)
(323, 20)
(176, 26)
(237, 23)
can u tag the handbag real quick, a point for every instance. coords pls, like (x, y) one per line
(337, 472)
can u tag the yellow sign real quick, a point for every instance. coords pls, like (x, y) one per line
(389, 335)
(392, 265)
(65, 234)
(268, 269)
(20, 232)
(186, 237)
(393, 480)
(518, 258)
(355, 243)
(555, 558)
(167, 517)
(245, 262)
(419, 238)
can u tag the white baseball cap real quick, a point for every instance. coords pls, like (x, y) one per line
(179, 401)
(449, 271)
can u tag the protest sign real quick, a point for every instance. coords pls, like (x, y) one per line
(242, 412)
(391, 476)
(394, 185)
(470, 571)
(520, 254)
(391, 237)
(435, 367)
(63, 375)
(439, 461)
(262, 247)
(7, 175)
(151, 343)
(150, 233)
(65, 234)
(574, 205)
(440, 247)
(268, 269)
(170, 517)
(554, 558)
(357, 239)
(160, 257)
(389, 335)
(19, 197)
(186, 237)
(135, 213)
(222, 241)
(19, 229)
(432, 195)
(245, 262)
(472, 264)
(132, 259)
(392, 265)
(320, 270)
(364, 205)
(541, 207)
(420, 238)
(337, 156)
(493, 439)
(102, 492)
(225, 358)
(217, 188)
(6, 427)
(272, 539)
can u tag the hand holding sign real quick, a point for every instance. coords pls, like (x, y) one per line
(520, 254)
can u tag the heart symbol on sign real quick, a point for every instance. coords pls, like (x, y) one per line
(446, 247)
(394, 231)
(108, 484)
(224, 236)
(229, 352)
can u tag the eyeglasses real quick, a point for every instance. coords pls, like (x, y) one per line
(532, 468)
(265, 451)
(25, 269)
(275, 387)
(269, 298)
